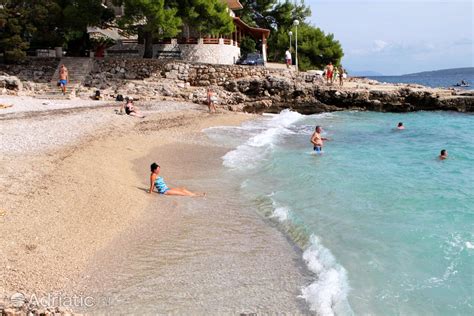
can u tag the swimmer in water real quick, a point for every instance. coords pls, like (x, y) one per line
(159, 184)
(443, 154)
(317, 140)
(400, 126)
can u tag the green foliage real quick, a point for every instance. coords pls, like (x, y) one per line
(153, 18)
(315, 48)
(247, 45)
(208, 17)
(255, 12)
(47, 23)
(15, 26)
(272, 14)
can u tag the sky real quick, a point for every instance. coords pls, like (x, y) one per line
(396, 37)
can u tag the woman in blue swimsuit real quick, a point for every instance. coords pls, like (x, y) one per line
(160, 185)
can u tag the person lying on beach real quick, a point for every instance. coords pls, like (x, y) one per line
(443, 154)
(130, 109)
(400, 126)
(160, 185)
(317, 140)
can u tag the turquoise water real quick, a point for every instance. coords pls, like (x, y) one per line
(387, 228)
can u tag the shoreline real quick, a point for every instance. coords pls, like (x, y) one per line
(201, 255)
(62, 228)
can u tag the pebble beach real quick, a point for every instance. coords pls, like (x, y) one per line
(74, 203)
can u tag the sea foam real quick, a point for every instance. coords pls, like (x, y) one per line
(264, 137)
(327, 295)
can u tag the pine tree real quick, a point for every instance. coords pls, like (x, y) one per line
(206, 17)
(154, 18)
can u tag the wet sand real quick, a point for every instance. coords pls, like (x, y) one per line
(78, 219)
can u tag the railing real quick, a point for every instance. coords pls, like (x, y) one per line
(165, 41)
(208, 40)
(194, 40)
(187, 40)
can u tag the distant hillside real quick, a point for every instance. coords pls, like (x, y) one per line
(364, 73)
(444, 72)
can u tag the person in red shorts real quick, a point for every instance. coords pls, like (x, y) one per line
(329, 73)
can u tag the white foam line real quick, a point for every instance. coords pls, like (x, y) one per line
(327, 295)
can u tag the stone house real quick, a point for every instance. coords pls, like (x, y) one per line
(190, 46)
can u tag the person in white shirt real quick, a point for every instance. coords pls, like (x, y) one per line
(288, 58)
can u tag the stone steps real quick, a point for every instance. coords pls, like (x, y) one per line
(78, 69)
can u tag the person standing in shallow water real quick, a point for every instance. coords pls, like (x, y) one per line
(157, 182)
(443, 154)
(317, 140)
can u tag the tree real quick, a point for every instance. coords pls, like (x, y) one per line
(71, 22)
(209, 17)
(247, 45)
(153, 18)
(315, 48)
(47, 23)
(15, 26)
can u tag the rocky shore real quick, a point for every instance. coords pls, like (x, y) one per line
(239, 88)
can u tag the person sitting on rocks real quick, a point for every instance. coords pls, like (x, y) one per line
(130, 109)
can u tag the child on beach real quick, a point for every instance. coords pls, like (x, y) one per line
(160, 185)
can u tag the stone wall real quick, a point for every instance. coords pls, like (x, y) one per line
(203, 53)
(33, 69)
(108, 70)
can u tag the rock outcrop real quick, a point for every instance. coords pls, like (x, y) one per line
(241, 88)
(273, 94)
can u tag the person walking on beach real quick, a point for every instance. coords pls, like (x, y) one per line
(157, 182)
(317, 140)
(211, 100)
(63, 78)
(288, 58)
(443, 154)
(341, 72)
(329, 72)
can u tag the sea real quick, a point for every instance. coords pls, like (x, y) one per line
(433, 80)
(386, 228)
